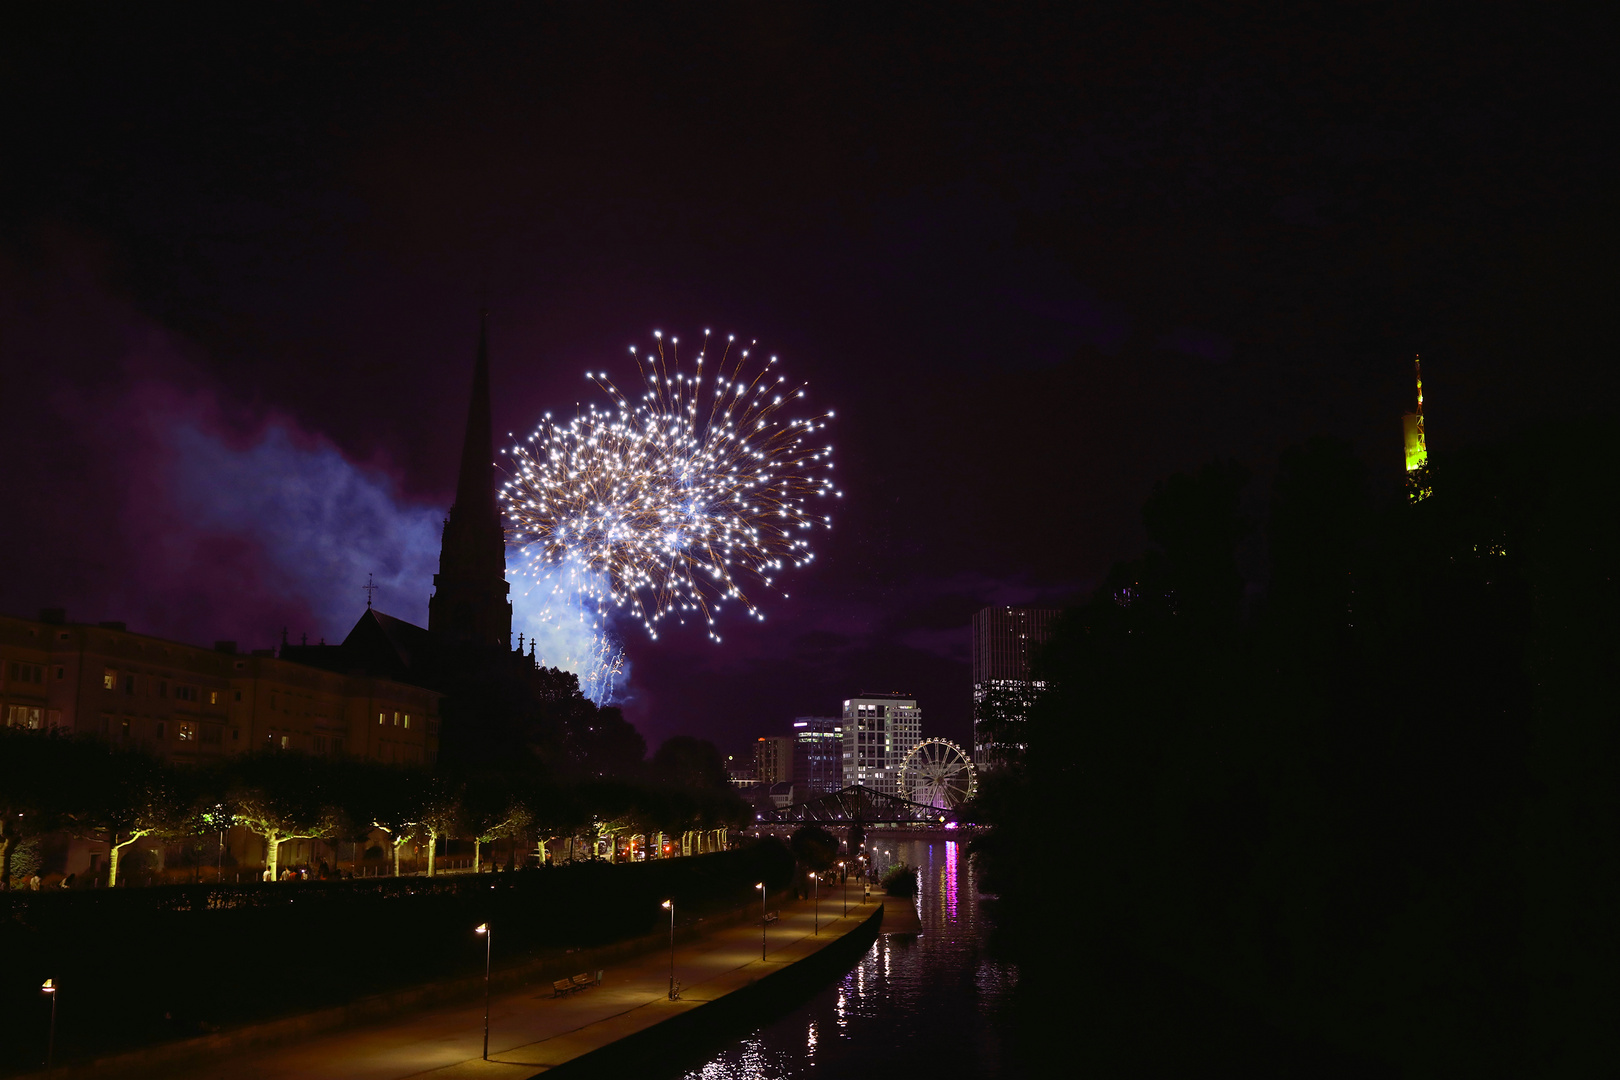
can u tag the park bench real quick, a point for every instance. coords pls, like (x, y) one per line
(562, 987)
(582, 981)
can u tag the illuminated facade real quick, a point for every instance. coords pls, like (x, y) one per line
(773, 760)
(189, 704)
(1004, 640)
(1417, 447)
(818, 755)
(879, 731)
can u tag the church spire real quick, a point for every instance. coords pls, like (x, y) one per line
(469, 604)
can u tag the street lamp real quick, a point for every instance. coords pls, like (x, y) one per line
(843, 888)
(669, 905)
(760, 885)
(48, 988)
(815, 891)
(489, 946)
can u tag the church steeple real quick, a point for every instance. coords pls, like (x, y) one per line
(469, 604)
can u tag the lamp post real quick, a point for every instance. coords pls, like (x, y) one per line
(48, 988)
(815, 891)
(760, 885)
(669, 905)
(843, 888)
(489, 946)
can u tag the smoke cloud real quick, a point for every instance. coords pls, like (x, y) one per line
(177, 508)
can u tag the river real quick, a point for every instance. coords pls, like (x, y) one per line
(933, 1000)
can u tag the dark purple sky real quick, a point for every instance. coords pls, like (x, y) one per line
(1034, 260)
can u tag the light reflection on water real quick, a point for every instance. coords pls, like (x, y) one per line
(929, 1000)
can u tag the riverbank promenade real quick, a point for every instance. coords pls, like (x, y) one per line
(532, 1031)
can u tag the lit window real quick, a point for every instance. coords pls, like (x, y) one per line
(187, 732)
(407, 721)
(213, 697)
(396, 719)
(23, 716)
(382, 718)
(285, 741)
(109, 679)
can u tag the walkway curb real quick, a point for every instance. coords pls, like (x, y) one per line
(620, 1045)
(150, 1060)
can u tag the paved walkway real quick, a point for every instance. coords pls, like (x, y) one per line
(532, 1031)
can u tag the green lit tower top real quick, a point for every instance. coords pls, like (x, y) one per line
(1417, 450)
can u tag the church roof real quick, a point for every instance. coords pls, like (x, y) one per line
(384, 645)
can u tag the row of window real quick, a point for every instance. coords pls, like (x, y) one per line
(18, 672)
(31, 717)
(111, 680)
(382, 719)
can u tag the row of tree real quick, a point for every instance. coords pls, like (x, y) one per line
(55, 782)
(1350, 774)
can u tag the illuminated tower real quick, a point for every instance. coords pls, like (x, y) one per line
(879, 731)
(1003, 644)
(1417, 450)
(469, 606)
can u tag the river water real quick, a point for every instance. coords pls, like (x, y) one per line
(933, 1001)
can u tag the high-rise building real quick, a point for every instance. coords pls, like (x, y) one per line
(1417, 445)
(1004, 641)
(818, 754)
(773, 760)
(879, 731)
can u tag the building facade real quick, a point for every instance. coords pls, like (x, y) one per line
(1004, 640)
(818, 755)
(189, 704)
(773, 760)
(879, 731)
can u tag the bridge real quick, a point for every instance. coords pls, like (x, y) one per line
(859, 805)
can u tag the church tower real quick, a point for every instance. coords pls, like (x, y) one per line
(469, 606)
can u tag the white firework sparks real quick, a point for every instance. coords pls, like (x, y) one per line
(668, 504)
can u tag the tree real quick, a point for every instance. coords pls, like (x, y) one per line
(814, 846)
(602, 743)
(439, 812)
(135, 796)
(495, 809)
(690, 762)
(280, 795)
(39, 774)
(390, 798)
(999, 715)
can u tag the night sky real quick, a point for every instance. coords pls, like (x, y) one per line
(1035, 259)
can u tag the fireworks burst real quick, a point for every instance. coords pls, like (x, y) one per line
(666, 505)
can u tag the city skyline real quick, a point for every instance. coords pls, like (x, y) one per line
(243, 318)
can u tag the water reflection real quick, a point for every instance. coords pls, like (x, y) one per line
(928, 1000)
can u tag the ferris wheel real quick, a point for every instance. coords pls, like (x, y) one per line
(938, 773)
